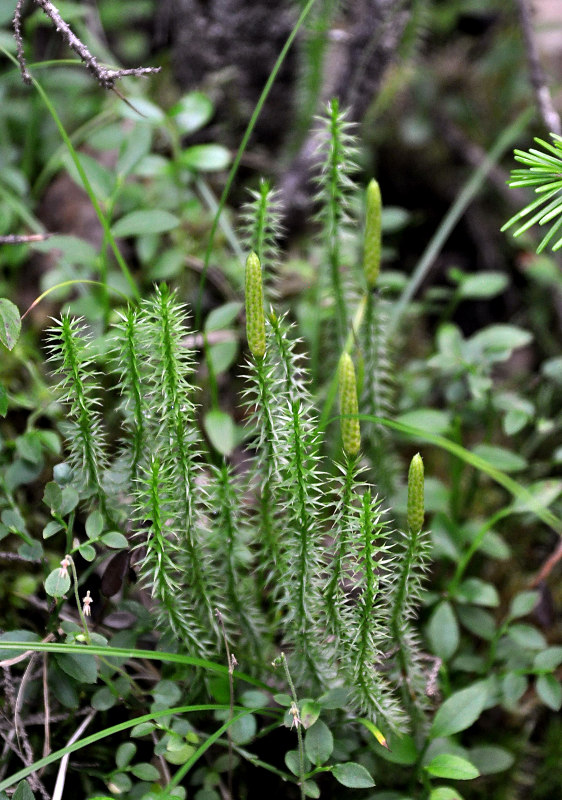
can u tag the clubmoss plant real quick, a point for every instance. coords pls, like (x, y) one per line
(200, 531)
(378, 389)
(262, 228)
(337, 156)
(405, 598)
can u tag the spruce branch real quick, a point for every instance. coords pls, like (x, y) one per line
(543, 171)
(106, 77)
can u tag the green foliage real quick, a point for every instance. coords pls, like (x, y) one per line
(251, 542)
(543, 173)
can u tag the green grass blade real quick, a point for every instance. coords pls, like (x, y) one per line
(126, 652)
(513, 487)
(454, 214)
(240, 153)
(96, 737)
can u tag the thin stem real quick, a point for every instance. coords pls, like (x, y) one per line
(78, 604)
(475, 544)
(464, 198)
(231, 662)
(297, 724)
(240, 153)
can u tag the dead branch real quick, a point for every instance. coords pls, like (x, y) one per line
(105, 77)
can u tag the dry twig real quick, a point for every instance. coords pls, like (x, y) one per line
(25, 238)
(105, 77)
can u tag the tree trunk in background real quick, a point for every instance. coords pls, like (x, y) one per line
(229, 47)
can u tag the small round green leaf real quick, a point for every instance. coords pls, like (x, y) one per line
(221, 317)
(142, 223)
(244, 729)
(478, 592)
(253, 698)
(309, 712)
(166, 693)
(427, 419)
(311, 789)
(443, 631)
(460, 711)
(10, 323)
(550, 691)
(115, 540)
(51, 528)
(23, 792)
(87, 552)
(206, 157)
(82, 667)
(318, 743)
(103, 699)
(483, 285)
(16, 636)
(500, 458)
(191, 112)
(120, 783)
(94, 524)
(52, 496)
(352, 775)
(527, 636)
(549, 659)
(490, 759)
(292, 761)
(124, 754)
(452, 767)
(219, 428)
(57, 583)
(445, 793)
(522, 604)
(145, 772)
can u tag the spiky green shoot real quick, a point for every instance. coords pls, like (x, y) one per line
(372, 247)
(350, 429)
(415, 495)
(255, 321)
